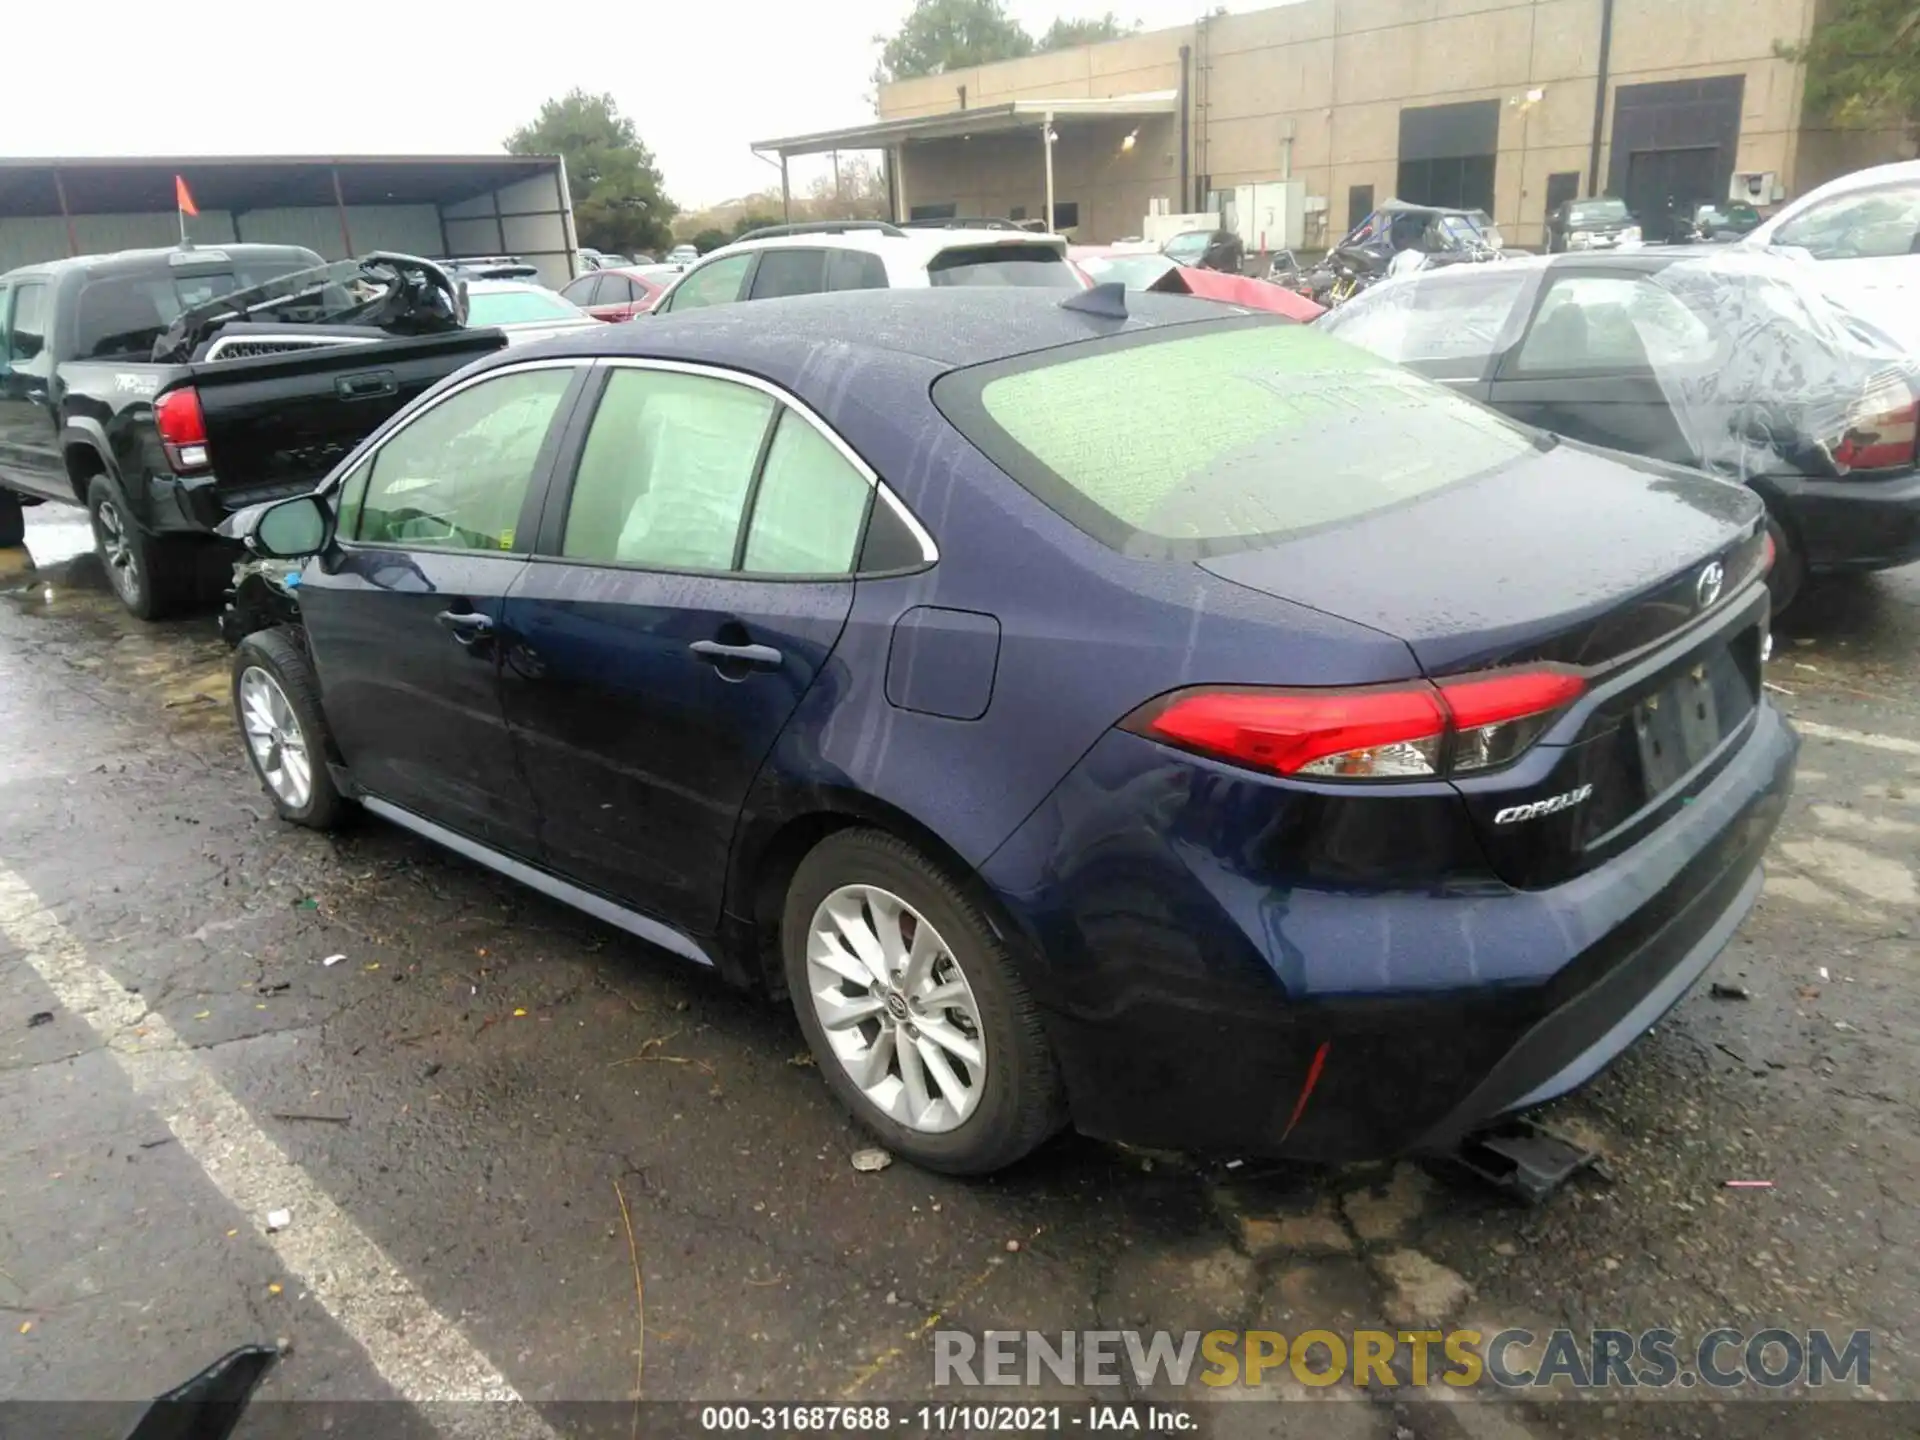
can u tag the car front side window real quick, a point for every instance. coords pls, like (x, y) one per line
(664, 476)
(1612, 322)
(718, 282)
(456, 477)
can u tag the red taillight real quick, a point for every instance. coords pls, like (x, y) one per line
(183, 428)
(1882, 429)
(1368, 734)
(1768, 550)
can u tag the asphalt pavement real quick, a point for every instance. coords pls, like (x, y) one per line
(443, 1140)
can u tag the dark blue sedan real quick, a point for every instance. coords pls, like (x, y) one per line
(1179, 724)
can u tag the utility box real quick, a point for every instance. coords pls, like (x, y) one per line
(1268, 215)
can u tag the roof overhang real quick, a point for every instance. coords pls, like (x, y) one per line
(983, 120)
(102, 185)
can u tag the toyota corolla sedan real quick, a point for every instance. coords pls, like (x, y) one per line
(1138, 714)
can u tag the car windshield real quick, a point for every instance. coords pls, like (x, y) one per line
(1597, 212)
(1192, 244)
(1035, 266)
(517, 307)
(119, 317)
(1868, 224)
(1201, 443)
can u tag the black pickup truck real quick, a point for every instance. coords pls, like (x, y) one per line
(165, 389)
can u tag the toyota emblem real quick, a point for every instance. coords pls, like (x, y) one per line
(1706, 589)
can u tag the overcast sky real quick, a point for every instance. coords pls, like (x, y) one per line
(701, 79)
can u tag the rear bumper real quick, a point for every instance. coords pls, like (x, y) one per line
(1341, 1023)
(194, 504)
(1853, 524)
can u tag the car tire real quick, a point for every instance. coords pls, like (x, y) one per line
(276, 704)
(1016, 1102)
(153, 576)
(1789, 573)
(13, 521)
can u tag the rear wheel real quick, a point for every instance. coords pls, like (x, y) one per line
(276, 701)
(13, 521)
(152, 575)
(913, 1009)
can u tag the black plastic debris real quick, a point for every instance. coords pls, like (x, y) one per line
(39, 1018)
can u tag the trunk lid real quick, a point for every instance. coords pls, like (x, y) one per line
(1638, 575)
(277, 423)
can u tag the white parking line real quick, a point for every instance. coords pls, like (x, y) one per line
(1815, 730)
(421, 1354)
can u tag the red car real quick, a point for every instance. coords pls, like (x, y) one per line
(614, 295)
(1151, 270)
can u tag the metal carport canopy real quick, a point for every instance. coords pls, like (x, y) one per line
(894, 135)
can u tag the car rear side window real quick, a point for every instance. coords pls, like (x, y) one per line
(855, 270)
(1867, 225)
(456, 477)
(664, 475)
(582, 291)
(1038, 266)
(810, 508)
(1192, 442)
(1612, 322)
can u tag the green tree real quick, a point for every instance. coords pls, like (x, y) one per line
(1065, 34)
(942, 35)
(1863, 64)
(619, 202)
(709, 239)
(753, 221)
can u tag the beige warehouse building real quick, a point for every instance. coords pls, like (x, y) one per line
(1504, 105)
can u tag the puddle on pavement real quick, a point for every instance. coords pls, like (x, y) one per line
(56, 575)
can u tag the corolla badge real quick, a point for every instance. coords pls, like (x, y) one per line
(1706, 589)
(1514, 814)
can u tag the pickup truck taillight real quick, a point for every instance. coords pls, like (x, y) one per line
(183, 429)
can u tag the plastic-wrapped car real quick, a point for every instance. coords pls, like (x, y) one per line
(1729, 361)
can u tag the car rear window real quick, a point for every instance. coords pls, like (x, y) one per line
(1197, 441)
(517, 307)
(120, 316)
(1039, 266)
(1455, 319)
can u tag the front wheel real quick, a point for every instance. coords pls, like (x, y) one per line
(1789, 573)
(276, 700)
(911, 1004)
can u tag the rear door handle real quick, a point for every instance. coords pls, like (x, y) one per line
(468, 627)
(728, 657)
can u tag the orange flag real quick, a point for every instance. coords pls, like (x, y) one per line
(183, 197)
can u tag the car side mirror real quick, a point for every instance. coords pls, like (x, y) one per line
(292, 529)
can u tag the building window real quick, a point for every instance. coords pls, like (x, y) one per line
(933, 212)
(1447, 154)
(1066, 214)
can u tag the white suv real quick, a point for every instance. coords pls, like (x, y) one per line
(868, 255)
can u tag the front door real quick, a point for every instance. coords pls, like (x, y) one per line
(405, 613)
(693, 580)
(29, 435)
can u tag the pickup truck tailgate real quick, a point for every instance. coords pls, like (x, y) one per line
(278, 423)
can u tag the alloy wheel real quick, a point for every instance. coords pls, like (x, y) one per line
(274, 736)
(898, 1012)
(117, 553)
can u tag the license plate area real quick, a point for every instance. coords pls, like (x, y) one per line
(1681, 723)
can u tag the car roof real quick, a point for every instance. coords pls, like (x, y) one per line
(912, 246)
(135, 259)
(949, 327)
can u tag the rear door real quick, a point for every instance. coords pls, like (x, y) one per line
(405, 614)
(613, 301)
(794, 270)
(692, 577)
(29, 431)
(1591, 362)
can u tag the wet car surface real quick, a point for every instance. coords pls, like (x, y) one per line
(485, 1079)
